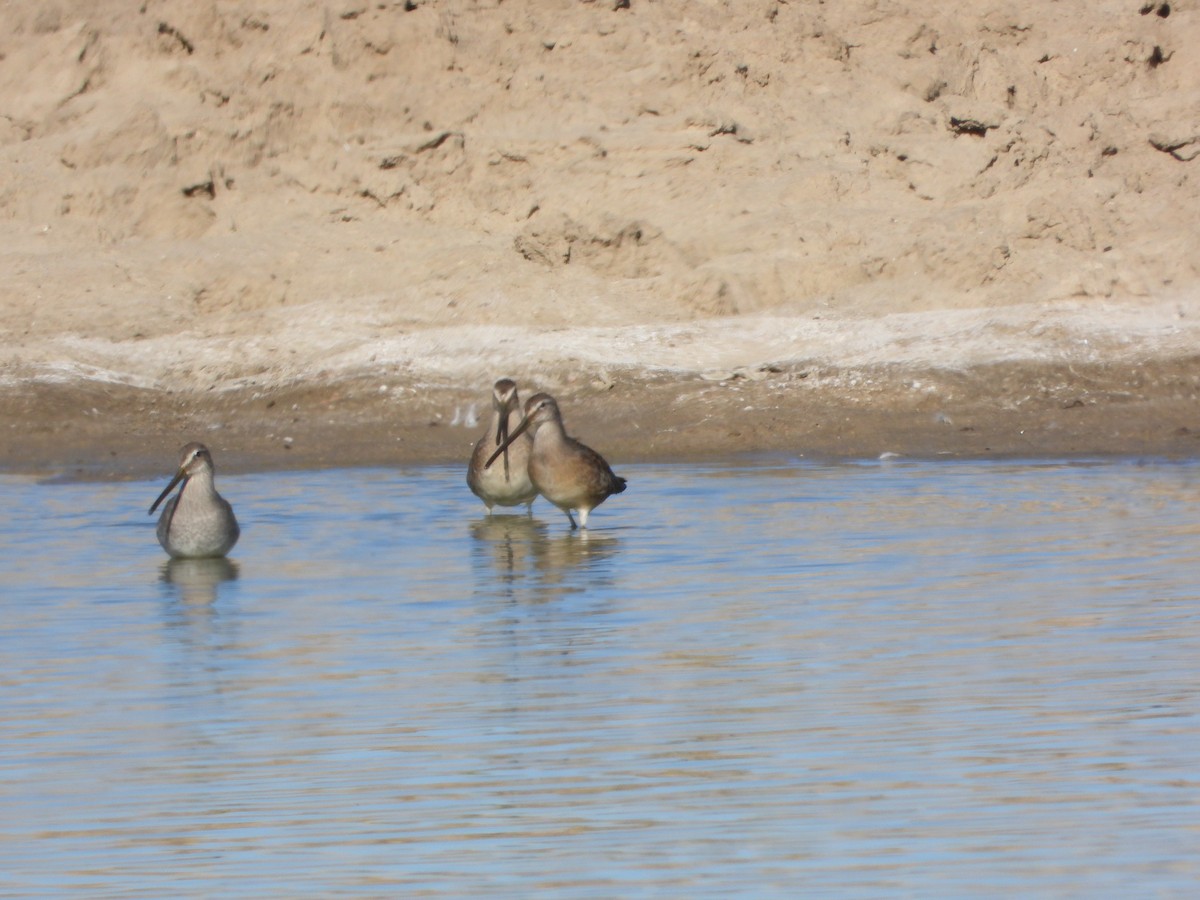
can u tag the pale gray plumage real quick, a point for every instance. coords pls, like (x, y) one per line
(508, 484)
(196, 522)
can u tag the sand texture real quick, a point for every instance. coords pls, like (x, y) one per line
(315, 233)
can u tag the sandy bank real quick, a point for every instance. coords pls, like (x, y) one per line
(710, 228)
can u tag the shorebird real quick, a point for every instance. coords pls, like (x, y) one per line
(569, 474)
(510, 485)
(196, 522)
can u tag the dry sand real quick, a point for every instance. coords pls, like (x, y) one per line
(315, 233)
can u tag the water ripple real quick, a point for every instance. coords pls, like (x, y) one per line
(776, 680)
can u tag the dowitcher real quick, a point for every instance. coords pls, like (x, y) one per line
(508, 485)
(196, 522)
(569, 474)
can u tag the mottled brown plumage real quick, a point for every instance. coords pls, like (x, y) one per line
(569, 474)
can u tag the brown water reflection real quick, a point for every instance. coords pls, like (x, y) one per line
(539, 563)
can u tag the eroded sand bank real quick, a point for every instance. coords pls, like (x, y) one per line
(313, 234)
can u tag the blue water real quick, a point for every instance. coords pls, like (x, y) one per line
(774, 680)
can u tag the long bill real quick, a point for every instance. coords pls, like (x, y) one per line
(179, 476)
(502, 438)
(503, 448)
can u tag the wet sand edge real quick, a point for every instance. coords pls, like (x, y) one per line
(93, 430)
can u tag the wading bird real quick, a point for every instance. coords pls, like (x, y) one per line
(572, 476)
(196, 522)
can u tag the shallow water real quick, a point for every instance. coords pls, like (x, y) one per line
(776, 680)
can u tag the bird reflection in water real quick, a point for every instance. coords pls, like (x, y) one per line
(196, 625)
(522, 554)
(196, 582)
(508, 541)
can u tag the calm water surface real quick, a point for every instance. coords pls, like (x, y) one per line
(781, 680)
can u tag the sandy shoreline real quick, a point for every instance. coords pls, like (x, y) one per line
(308, 234)
(1051, 380)
(1005, 410)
